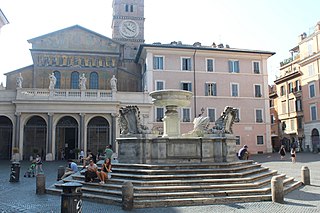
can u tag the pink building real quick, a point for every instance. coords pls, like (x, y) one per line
(218, 76)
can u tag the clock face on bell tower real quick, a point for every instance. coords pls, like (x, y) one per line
(128, 25)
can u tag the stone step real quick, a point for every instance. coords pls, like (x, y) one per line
(183, 166)
(188, 176)
(183, 170)
(199, 201)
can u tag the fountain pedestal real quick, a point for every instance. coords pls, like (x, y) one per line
(171, 122)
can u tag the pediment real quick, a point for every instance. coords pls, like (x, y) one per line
(75, 38)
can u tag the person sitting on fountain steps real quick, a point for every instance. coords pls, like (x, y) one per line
(243, 153)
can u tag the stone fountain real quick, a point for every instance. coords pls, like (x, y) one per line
(137, 145)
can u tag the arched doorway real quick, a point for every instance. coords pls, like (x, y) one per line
(35, 137)
(98, 135)
(315, 140)
(5, 138)
(66, 138)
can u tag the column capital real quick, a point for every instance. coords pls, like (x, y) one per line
(82, 114)
(50, 114)
(114, 115)
(17, 113)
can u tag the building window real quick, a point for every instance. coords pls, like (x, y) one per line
(57, 74)
(186, 64)
(291, 105)
(159, 85)
(212, 114)
(159, 114)
(256, 67)
(311, 69)
(158, 62)
(257, 91)
(292, 121)
(284, 107)
(94, 81)
(186, 115)
(272, 119)
(282, 91)
(186, 86)
(74, 80)
(234, 90)
(259, 116)
(211, 89)
(210, 65)
(313, 111)
(298, 105)
(298, 85)
(290, 87)
(260, 140)
(128, 8)
(233, 66)
(238, 140)
(312, 91)
(299, 121)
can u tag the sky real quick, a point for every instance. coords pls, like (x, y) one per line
(269, 25)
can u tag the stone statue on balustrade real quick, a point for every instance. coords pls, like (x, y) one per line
(82, 82)
(19, 81)
(113, 83)
(53, 81)
(129, 121)
(225, 122)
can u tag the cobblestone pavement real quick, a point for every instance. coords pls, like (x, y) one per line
(22, 197)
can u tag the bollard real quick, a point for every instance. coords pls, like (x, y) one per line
(305, 175)
(60, 172)
(15, 172)
(40, 184)
(277, 189)
(127, 196)
(71, 198)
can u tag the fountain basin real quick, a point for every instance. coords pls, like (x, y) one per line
(171, 97)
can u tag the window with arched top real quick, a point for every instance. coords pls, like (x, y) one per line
(57, 74)
(94, 81)
(74, 80)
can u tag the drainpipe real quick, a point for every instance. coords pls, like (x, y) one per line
(194, 85)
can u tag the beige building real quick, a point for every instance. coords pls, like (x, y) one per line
(64, 101)
(218, 76)
(299, 94)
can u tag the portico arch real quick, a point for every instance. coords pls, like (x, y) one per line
(6, 128)
(35, 137)
(98, 134)
(66, 138)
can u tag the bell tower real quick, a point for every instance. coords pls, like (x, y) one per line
(128, 25)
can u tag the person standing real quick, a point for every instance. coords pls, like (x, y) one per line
(293, 154)
(282, 152)
(108, 152)
(38, 164)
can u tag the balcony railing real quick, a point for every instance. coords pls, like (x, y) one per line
(45, 94)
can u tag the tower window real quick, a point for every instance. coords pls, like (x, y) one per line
(128, 8)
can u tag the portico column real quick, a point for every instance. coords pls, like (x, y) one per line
(50, 126)
(82, 131)
(17, 129)
(113, 129)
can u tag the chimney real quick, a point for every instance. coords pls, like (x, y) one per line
(213, 45)
(197, 44)
(220, 45)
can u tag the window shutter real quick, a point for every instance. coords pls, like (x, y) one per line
(230, 66)
(214, 88)
(236, 67)
(206, 89)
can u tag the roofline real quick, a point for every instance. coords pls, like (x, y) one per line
(74, 51)
(171, 46)
(18, 70)
(5, 18)
(74, 26)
